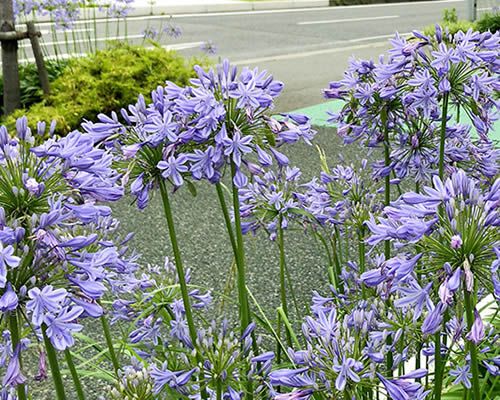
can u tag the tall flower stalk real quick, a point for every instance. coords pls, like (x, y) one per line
(240, 257)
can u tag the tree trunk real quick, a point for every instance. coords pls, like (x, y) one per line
(10, 66)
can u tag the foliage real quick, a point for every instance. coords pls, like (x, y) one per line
(31, 90)
(489, 21)
(105, 82)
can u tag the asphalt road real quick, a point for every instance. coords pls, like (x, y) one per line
(305, 48)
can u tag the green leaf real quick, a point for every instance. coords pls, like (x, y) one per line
(192, 188)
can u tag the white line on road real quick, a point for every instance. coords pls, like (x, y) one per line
(364, 39)
(86, 40)
(282, 57)
(333, 21)
(179, 46)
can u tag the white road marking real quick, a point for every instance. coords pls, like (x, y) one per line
(179, 46)
(282, 57)
(390, 36)
(334, 21)
(62, 42)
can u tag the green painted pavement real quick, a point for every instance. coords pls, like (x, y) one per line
(319, 116)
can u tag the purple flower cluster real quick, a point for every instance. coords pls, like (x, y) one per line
(454, 225)
(65, 13)
(196, 131)
(404, 100)
(269, 201)
(340, 196)
(344, 352)
(57, 245)
(161, 339)
(157, 286)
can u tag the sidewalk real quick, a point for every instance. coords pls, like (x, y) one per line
(161, 7)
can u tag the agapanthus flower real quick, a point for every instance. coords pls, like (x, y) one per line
(173, 31)
(209, 47)
(453, 226)
(462, 376)
(344, 348)
(57, 255)
(399, 103)
(442, 216)
(194, 132)
(269, 201)
(340, 196)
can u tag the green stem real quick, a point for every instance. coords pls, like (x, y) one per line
(442, 138)
(474, 364)
(74, 374)
(14, 334)
(219, 389)
(438, 367)
(438, 375)
(180, 274)
(387, 202)
(288, 327)
(292, 292)
(54, 366)
(337, 258)
(178, 261)
(362, 256)
(109, 343)
(284, 305)
(242, 291)
(227, 218)
(242, 287)
(229, 228)
(278, 342)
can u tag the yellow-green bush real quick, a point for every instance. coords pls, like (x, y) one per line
(106, 81)
(451, 23)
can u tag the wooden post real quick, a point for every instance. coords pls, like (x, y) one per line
(37, 53)
(10, 66)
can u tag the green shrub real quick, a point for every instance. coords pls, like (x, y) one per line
(451, 23)
(489, 22)
(106, 81)
(31, 90)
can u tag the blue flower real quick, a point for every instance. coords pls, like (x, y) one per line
(173, 168)
(173, 379)
(476, 334)
(462, 375)
(7, 259)
(14, 376)
(346, 371)
(9, 300)
(61, 326)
